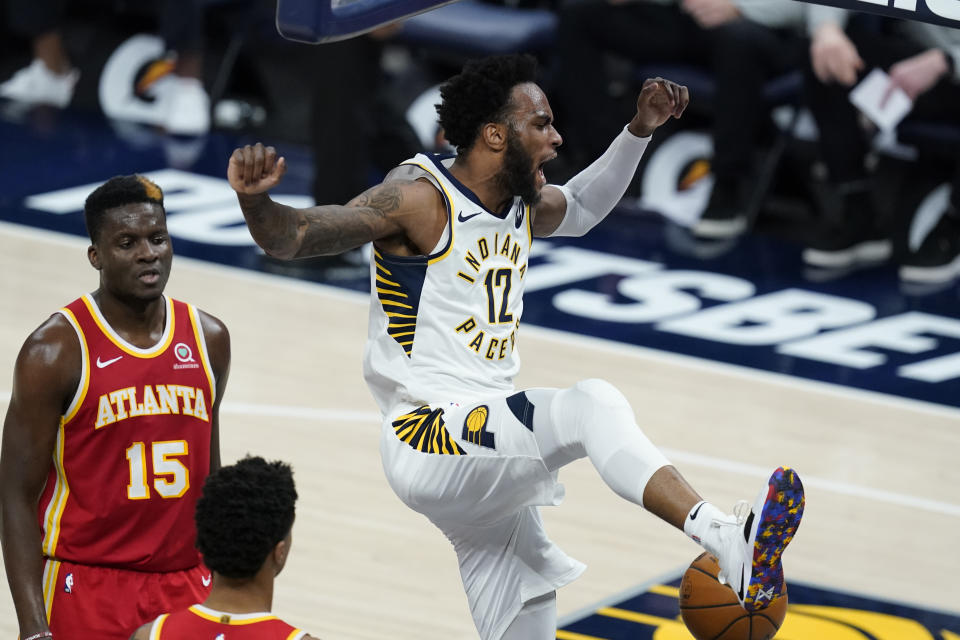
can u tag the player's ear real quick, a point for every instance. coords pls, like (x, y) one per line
(281, 552)
(495, 135)
(93, 257)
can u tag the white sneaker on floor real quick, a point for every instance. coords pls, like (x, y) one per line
(185, 104)
(37, 84)
(755, 539)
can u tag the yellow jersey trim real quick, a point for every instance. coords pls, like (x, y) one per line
(529, 225)
(448, 201)
(234, 619)
(58, 501)
(51, 573)
(81, 394)
(158, 626)
(125, 346)
(204, 357)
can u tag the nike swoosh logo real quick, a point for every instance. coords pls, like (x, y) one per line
(106, 363)
(463, 218)
(206, 580)
(693, 515)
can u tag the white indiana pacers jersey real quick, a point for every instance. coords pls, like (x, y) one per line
(443, 327)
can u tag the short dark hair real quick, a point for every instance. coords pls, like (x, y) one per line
(480, 94)
(245, 510)
(118, 191)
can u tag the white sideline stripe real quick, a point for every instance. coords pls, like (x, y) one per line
(676, 455)
(609, 346)
(304, 413)
(748, 373)
(833, 486)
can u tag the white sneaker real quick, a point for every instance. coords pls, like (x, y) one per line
(755, 539)
(185, 104)
(37, 84)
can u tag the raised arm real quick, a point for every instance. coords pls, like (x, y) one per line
(45, 379)
(400, 213)
(587, 198)
(218, 347)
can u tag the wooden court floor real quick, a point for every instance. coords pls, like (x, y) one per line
(883, 514)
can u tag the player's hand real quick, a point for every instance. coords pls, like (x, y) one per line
(659, 99)
(255, 169)
(918, 74)
(834, 56)
(711, 13)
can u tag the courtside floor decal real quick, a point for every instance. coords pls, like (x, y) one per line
(813, 613)
(633, 280)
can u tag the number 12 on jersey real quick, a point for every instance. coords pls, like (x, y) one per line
(164, 464)
(495, 279)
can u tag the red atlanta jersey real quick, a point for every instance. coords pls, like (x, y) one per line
(133, 448)
(200, 623)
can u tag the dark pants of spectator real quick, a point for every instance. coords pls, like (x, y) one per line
(843, 145)
(180, 21)
(741, 54)
(181, 24)
(32, 18)
(355, 130)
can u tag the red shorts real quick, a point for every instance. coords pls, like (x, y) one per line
(85, 601)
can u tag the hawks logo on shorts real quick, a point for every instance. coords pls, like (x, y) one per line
(424, 430)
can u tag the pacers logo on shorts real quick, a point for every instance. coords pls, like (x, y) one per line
(475, 428)
(424, 430)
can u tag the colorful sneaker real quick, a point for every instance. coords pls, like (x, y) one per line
(750, 562)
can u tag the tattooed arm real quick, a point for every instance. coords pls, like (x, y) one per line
(407, 216)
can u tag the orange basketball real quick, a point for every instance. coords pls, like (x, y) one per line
(711, 610)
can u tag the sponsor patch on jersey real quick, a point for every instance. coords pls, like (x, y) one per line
(652, 613)
(184, 354)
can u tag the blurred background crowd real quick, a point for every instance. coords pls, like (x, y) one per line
(772, 142)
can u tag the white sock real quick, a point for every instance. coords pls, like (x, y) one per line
(699, 526)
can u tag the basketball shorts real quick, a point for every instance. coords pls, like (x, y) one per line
(85, 601)
(476, 472)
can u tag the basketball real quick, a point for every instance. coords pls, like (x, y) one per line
(711, 610)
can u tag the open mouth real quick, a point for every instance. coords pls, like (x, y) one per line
(150, 276)
(541, 176)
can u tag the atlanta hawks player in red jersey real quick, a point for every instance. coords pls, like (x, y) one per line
(111, 430)
(244, 521)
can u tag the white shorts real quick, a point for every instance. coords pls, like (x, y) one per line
(475, 471)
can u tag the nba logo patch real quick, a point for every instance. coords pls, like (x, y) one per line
(68, 583)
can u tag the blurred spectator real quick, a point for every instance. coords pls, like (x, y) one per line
(50, 77)
(924, 61)
(185, 101)
(742, 42)
(353, 120)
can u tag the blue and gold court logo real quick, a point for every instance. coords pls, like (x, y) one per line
(813, 614)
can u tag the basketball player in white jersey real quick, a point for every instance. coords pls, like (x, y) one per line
(451, 241)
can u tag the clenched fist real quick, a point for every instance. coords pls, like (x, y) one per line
(658, 100)
(256, 169)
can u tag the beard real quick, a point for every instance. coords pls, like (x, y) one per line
(517, 175)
